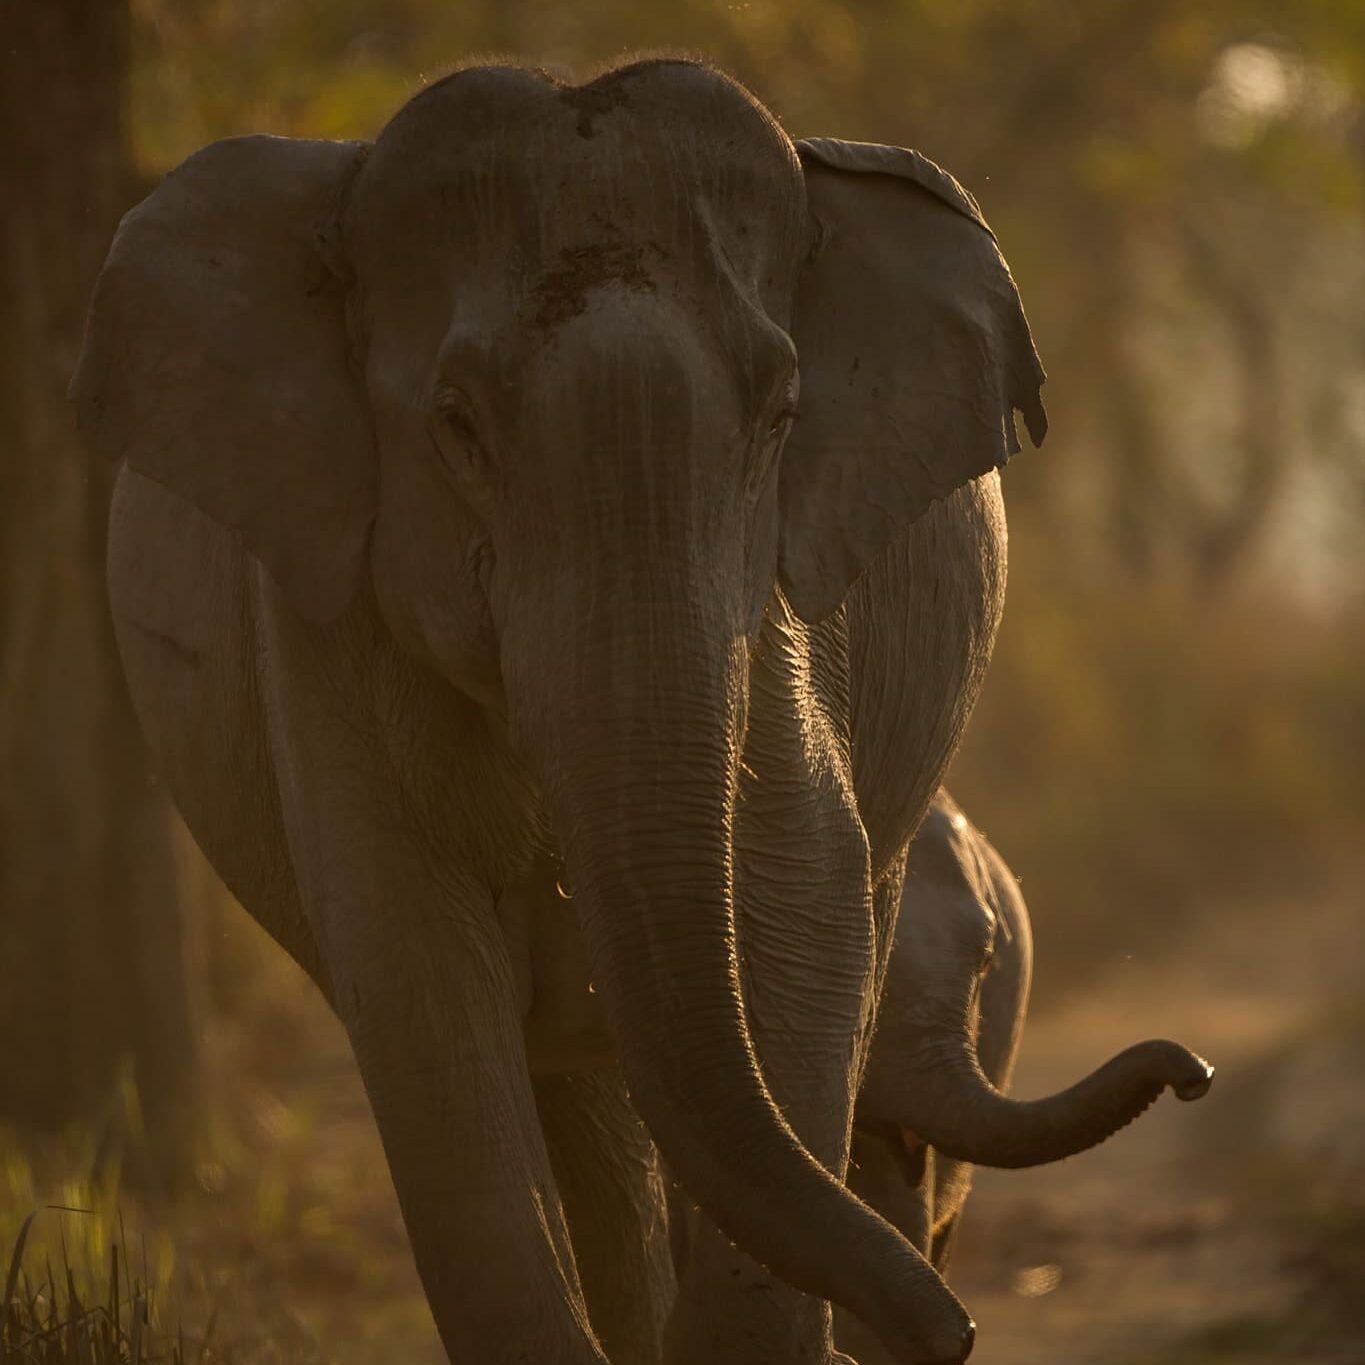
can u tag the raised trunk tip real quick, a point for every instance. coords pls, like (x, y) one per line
(955, 1108)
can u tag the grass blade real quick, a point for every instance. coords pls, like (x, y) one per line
(17, 1259)
(113, 1286)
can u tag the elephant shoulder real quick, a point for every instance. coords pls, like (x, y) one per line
(172, 571)
(184, 597)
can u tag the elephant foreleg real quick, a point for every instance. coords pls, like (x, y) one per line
(944, 1241)
(613, 1192)
(897, 1178)
(432, 1013)
(887, 894)
(423, 980)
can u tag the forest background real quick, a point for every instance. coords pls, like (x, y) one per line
(1171, 746)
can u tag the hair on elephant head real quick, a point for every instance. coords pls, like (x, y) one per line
(565, 382)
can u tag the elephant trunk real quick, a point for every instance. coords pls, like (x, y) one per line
(642, 742)
(950, 1103)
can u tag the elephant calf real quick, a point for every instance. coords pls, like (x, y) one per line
(952, 1011)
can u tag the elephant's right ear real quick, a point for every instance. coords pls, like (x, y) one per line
(215, 359)
(914, 354)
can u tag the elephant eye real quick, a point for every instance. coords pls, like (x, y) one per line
(767, 448)
(455, 432)
(761, 462)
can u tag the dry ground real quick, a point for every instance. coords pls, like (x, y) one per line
(1198, 1233)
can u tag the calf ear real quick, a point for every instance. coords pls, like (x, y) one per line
(215, 359)
(914, 353)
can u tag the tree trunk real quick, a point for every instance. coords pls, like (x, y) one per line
(95, 987)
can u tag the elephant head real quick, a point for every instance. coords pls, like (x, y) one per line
(952, 1012)
(563, 381)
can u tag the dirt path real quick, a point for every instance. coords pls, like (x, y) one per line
(1142, 1250)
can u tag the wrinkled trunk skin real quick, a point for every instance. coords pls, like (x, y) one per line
(806, 940)
(622, 603)
(949, 1102)
(641, 746)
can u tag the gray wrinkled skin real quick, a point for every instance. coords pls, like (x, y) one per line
(556, 552)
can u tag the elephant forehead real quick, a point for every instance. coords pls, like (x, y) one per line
(655, 105)
(642, 166)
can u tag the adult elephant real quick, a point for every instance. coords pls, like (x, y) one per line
(933, 1101)
(469, 524)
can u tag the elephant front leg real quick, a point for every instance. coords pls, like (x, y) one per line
(613, 1191)
(897, 1178)
(431, 1008)
(387, 781)
(807, 942)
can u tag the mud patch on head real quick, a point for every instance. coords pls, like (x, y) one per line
(592, 101)
(562, 292)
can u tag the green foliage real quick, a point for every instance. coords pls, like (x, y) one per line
(964, 72)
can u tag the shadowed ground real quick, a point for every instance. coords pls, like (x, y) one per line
(1228, 1231)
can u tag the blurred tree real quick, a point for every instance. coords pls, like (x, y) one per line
(94, 981)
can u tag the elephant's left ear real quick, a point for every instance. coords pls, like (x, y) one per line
(216, 359)
(914, 354)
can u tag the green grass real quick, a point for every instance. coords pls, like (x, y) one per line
(67, 1316)
(283, 1248)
